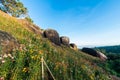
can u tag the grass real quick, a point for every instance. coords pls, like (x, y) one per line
(65, 63)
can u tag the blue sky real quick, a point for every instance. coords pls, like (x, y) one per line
(85, 22)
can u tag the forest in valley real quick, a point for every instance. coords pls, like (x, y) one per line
(113, 62)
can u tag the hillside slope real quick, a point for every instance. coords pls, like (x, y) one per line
(64, 63)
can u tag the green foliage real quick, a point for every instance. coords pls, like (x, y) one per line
(110, 49)
(114, 63)
(14, 7)
(29, 19)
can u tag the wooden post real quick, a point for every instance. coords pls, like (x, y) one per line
(42, 68)
(44, 63)
(48, 69)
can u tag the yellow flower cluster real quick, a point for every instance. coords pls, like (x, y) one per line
(25, 69)
(35, 57)
(83, 66)
(92, 76)
(40, 52)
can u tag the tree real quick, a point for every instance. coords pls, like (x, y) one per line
(14, 8)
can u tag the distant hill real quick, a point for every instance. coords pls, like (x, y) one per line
(24, 61)
(110, 49)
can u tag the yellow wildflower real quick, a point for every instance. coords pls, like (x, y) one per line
(25, 69)
(40, 52)
(32, 57)
(91, 77)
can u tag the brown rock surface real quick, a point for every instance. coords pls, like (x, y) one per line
(7, 42)
(95, 53)
(64, 40)
(73, 46)
(52, 35)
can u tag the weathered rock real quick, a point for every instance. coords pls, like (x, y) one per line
(94, 53)
(7, 42)
(102, 56)
(64, 40)
(52, 35)
(90, 51)
(73, 46)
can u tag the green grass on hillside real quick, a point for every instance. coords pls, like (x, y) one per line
(65, 63)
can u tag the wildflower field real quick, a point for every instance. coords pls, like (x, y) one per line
(24, 63)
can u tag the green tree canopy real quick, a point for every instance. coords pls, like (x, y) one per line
(14, 8)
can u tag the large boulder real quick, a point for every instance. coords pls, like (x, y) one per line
(52, 35)
(95, 53)
(90, 51)
(7, 42)
(73, 46)
(64, 40)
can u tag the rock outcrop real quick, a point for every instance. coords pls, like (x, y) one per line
(52, 35)
(90, 51)
(31, 27)
(73, 46)
(7, 42)
(64, 40)
(94, 53)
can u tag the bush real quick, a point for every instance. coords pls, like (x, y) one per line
(29, 19)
